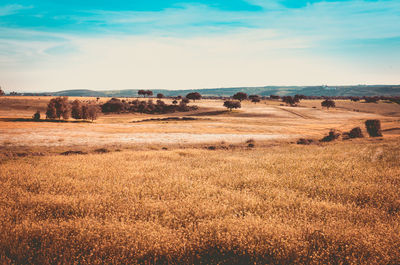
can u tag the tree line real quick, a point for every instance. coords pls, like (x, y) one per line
(60, 107)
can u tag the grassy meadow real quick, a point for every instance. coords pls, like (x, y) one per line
(183, 203)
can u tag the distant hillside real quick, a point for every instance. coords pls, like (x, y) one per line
(362, 90)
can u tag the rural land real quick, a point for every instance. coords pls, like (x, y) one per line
(223, 176)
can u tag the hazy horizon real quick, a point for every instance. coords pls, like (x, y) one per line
(48, 46)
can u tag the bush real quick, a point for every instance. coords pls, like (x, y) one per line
(333, 135)
(240, 96)
(114, 105)
(356, 133)
(289, 100)
(373, 128)
(371, 99)
(255, 98)
(328, 103)
(36, 116)
(193, 96)
(232, 104)
(305, 141)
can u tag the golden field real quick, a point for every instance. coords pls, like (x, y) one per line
(173, 202)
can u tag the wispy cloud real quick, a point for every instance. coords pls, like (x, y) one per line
(12, 9)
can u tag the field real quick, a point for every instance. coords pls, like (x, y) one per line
(195, 192)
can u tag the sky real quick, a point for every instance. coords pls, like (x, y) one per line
(48, 45)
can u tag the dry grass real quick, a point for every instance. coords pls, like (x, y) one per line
(329, 204)
(262, 121)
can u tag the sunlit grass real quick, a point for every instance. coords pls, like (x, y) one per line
(330, 204)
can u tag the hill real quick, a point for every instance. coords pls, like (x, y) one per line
(361, 90)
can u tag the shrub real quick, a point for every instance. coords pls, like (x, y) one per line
(232, 104)
(356, 133)
(371, 99)
(240, 96)
(333, 135)
(160, 95)
(373, 128)
(328, 103)
(36, 116)
(305, 141)
(289, 100)
(113, 105)
(194, 96)
(255, 98)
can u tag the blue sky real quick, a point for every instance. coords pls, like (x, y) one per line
(55, 45)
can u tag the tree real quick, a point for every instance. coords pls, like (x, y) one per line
(371, 99)
(297, 98)
(185, 100)
(93, 111)
(373, 128)
(57, 108)
(240, 96)
(1, 92)
(289, 100)
(160, 95)
(194, 96)
(51, 110)
(174, 102)
(328, 103)
(76, 109)
(149, 93)
(254, 98)
(274, 97)
(142, 92)
(36, 116)
(229, 104)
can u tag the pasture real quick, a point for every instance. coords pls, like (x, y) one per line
(195, 191)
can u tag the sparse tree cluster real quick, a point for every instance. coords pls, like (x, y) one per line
(84, 111)
(60, 108)
(145, 93)
(371, 99)
(116, 105)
